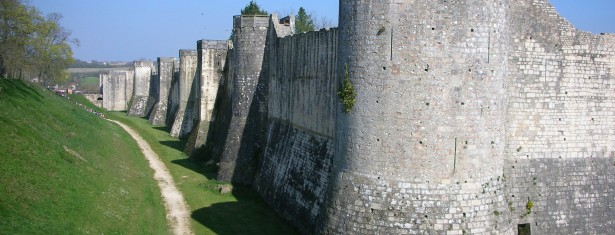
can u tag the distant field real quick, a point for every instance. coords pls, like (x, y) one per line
(64, 170)
(87, 78)
(89, 81)
(92, 70)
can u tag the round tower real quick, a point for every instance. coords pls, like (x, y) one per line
(422, 149)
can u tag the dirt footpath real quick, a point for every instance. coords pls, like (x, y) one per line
(178, 214)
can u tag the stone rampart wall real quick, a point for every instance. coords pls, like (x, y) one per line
(560, 134)
(114, 90)
(248, 87)
(141, 102)
(182, 125)
(95, 99)
(466, 113)
(164, 76)
(294, 171)
(211, 59)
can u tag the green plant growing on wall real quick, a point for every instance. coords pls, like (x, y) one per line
(381, 30)
(347, 92)
(529, 206)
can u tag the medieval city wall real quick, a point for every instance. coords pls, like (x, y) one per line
(173, 100)
(114, 95)
(141, 102)
(422, 150)
(560, 132)
(185, 113)
(95, 99)
(471, 117)
(247, 96)
(164, 77)
(293, 173)
(211, 59)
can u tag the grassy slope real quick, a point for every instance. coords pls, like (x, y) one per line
(242, 212)
(65, 171)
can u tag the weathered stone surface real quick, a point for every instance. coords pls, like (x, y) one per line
(560, 134)
(184, 118)
(210, 71)
(141, 102)
(296, 164)
(427, 133)
(466, 111)
(165, 75)
(114, 90)
(248, 100)
(95, 99)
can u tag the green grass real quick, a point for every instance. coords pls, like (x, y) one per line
(66, 171)
(89, 84)
(89, 81)
(242, 212)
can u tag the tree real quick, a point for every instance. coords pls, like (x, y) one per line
(253, 9)
(32, 45)
(52, 49)
(16, 27)
(303, 22)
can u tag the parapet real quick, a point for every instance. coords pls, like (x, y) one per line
(166, 59)
(283, 27)
(143, 63)
(186, 52)
(250, 21)
(211, 44)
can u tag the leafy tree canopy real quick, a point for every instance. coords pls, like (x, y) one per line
(33, 46)
(253, 9)
(304, 22)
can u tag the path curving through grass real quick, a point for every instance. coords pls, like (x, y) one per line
(178, 214)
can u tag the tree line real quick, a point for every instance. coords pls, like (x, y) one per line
(33, 45)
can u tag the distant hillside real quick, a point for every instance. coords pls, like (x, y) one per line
(64, 170)
(98, 64)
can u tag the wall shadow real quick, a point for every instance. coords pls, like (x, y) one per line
(163, 128)
(218, 130)
(252, 141)
(209, 171)
(175, 144)
(245, 216)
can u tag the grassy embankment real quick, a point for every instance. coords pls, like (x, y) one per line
(64, 170)
(242, 212)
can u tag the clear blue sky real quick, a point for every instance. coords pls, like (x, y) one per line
(125, 30)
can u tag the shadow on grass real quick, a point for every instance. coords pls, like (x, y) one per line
(248, 215)
(208, 171)
(166, 129)
(178, 145)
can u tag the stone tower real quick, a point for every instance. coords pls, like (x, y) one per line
(423, 148)
(141, 103)
(209, 74)
(185, 113)
(114, 90)
(165, 75)
(247, 97)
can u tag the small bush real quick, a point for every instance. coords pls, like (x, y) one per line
(347, 93)
(529, 206)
